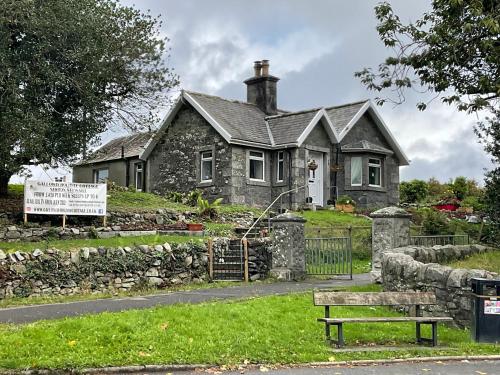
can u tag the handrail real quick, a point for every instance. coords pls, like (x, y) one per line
(268, 207)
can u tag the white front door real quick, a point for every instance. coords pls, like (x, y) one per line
(316, 177)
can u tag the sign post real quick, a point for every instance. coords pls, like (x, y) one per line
(64, 198)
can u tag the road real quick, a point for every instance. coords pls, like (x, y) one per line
(488, 367)
(27, 314)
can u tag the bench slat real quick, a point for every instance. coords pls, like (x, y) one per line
(419, 319)
(372, 298)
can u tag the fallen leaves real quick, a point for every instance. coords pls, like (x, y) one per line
(164, 326)
(72, 343)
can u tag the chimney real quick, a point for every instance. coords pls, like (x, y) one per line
(261, 89)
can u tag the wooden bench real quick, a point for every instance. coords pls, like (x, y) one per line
(330, 298)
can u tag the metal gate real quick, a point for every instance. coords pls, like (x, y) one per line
(229, 263)
(329, 256)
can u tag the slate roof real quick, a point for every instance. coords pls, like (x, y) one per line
(133, 145)
(365, 145)
(287, 128)
(341, 115)
(243, 121)
(246, 122)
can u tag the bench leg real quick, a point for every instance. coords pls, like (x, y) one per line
(327, 332)
(434, 334)
(340, 332)
(432, 340)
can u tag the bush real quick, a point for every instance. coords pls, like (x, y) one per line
(345, 199)
(206, 208)
(413, 191)
(434, 222)
(459, 187)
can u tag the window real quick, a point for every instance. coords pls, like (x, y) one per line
(138, 176)
(374, 169)
(206, 166)
(256, 164)
(356, 171)
(101, 175)
(280, 166)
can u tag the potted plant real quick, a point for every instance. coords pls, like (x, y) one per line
(195, 227)
(345, 204)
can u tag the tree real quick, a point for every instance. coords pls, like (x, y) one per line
(413, 191)
(459, 187)
(70, 69)
(453, 52)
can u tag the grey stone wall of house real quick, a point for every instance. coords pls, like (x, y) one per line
(288, 252)
(390, 229)
(116, 171)
(174, 164)
(415, 268)
(246, 191)
(367, 196)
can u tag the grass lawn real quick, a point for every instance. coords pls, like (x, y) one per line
(107, 242)
(134, 201)
(327, 218)
(489, 261)
(277, 329)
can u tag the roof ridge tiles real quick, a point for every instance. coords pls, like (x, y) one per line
(348, 104)
(293, 113)
(221, 98)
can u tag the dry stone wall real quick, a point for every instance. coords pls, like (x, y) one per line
(120, 224)
(415, 268)
(101, 270)
(54, 272)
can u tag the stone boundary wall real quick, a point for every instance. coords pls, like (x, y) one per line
(119, 224)
(415, 268)
(100, 270)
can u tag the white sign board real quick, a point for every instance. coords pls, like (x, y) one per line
(492, 307)
(64, 198)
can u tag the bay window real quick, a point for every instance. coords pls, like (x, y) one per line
(356, 171)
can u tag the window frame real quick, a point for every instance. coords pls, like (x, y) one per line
(96, 175)
(204, 159)
(280, 160)
(136, 171)
(375, 165)
(361, 170)
(256, 158)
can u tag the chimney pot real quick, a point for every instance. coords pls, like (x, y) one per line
(257, 66)
(265, 67)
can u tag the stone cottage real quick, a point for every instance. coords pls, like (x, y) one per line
(250, 152)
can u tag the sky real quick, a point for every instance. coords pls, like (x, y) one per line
(314, 47)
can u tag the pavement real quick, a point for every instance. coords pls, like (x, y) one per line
(484, 367)
(27, 314)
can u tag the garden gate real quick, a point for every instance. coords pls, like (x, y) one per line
(329, 256)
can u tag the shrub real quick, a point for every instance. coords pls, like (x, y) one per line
(459, 187)
(345, 199)
(434, 222)
(413, 191)
(192, 197)
(207, 209)
(175, 197)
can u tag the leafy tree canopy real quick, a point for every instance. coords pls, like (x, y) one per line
(452, 51)
(69, 69)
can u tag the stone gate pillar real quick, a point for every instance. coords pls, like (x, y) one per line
(288, 257)
(390, 229)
